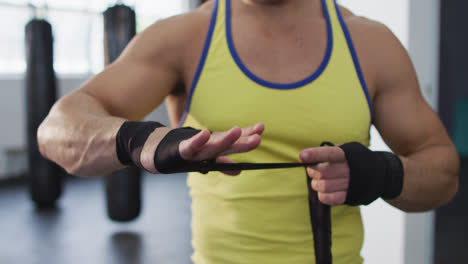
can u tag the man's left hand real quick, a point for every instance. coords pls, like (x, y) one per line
(330, 178)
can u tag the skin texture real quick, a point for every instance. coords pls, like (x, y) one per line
(159, 64)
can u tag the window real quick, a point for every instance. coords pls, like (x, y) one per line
(12, 47)
(77, 28)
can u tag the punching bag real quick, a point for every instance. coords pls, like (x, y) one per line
(123, 187)
(44, 176)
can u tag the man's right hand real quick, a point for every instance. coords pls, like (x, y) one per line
(206, 145)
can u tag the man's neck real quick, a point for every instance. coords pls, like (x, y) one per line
(267, 2)
(284, 8)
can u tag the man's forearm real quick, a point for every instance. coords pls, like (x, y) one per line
(83, 138)
(79, 135)
(431, 179)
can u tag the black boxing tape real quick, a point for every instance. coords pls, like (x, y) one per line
(373, 174)
(167, 158)
(132, 137)
(130, 141)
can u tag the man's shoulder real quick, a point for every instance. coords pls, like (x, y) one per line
(183, 26)
(380, 52)
(365, 27)
(197, 19)
(174, 37)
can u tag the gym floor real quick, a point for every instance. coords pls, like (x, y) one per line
(79, 231)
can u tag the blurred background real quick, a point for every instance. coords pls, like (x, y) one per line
(79, 225)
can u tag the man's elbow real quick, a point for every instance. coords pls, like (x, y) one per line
(48, 146)
(450, 189)
(46, 140)
(53, 145)
(453, 175)
(41, 140)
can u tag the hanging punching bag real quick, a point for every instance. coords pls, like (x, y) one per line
(123, 187)
(44, 176)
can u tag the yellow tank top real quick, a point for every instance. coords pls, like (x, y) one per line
(262, 216)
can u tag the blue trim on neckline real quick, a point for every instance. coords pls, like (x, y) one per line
(280, 86)
(201, 63)
(357, 65)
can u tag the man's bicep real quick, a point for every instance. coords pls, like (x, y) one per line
(129, 89)
(401, 115)
(408, 123)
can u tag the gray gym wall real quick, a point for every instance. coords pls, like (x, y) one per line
(194, 3)
(424, 40)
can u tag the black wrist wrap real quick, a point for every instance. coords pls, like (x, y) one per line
(130, 141)
(372, 174)
(167, 158)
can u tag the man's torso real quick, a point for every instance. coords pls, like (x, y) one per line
(280, 52)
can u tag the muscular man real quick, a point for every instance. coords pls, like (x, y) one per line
(292, 74)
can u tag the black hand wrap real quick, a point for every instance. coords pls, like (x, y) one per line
(132, 137)
(167, 158)
(372, 174)
(130, 141)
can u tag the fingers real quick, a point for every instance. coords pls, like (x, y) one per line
(330, 181)
(330, 186)
(329, 170)
(337, 198)
(224, 159)
(205, 146)
(249, 140)
(252, 130)
(243, 144)
(188, 148)
(322, 154)
(218, 143)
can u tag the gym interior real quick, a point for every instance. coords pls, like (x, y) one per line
(48, 48)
